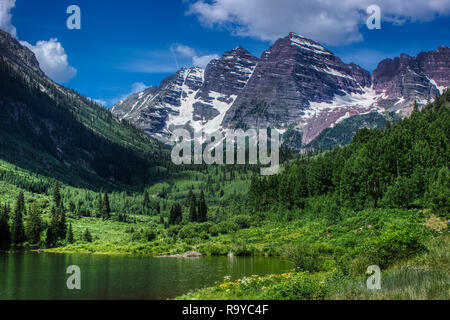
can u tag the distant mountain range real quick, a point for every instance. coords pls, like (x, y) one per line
(297, 86)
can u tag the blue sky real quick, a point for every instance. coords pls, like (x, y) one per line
(125, 45)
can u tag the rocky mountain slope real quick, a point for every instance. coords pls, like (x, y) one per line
(51, 130)
(194, 97)
(296, 85)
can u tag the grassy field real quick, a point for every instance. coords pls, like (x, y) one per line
(421, 278)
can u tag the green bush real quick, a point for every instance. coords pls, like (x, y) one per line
(195, 230)
(393, 245)
(307, 258)
(301, 288)
(150, 235)
(242, 221)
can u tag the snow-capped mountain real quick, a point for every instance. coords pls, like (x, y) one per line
(192, 97)
(297, 84)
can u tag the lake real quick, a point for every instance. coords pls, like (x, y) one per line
(32, 275)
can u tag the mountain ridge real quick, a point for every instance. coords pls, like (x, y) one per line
(52, 130)
(299, 83)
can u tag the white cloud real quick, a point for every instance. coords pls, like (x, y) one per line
(203, 61)
(188, 52)
(6, 16)
(138, 87)
(168, 61)
(53, 59)
(328, 21)
(183, 50)
(51, 55)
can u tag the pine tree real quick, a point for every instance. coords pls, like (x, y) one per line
(176, 214)
(69, 238)
(17, 227)
(202, 213)
(106, 208)
(61, 228)
(100, 205)
(52, 230)
(34, 225)
(192, 207)
(439, 193)
(179, 214)
(87, 235)
(5, 235)
(57, 194)
(146, 203)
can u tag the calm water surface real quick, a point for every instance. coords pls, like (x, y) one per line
(32, 275)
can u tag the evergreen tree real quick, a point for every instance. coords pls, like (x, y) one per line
(202, 209)
(192, 207)
(61, 227)
(100, 207)
(52, 229)
(176, 214)
(5, 235)
(58, 228)
(57, 200)
(34, 224)
(106, 208)
(70, 234)
(17, 227)
(438, 196)
(87, 235)
(146, 203)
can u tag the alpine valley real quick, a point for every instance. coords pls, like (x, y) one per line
(81, 185)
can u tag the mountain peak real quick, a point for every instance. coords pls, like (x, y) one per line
(239, 49)
(295, 35)
(237, 52)
(306, 44)
(14, 52)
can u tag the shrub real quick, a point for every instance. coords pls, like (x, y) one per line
(150, 235)
(307, 258)
(224, 227)
(300, 288)
(173, 231)
(242, 221)
(394, 244)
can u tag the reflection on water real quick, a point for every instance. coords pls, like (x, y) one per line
(32, 275)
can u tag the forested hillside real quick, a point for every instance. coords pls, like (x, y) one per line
(402, 166)
(50, 130)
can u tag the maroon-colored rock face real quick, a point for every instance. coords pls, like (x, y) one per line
(436, 65)
(230, 73)
(405, 80)
(401, 77)
(292, 73)
(192, 97)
